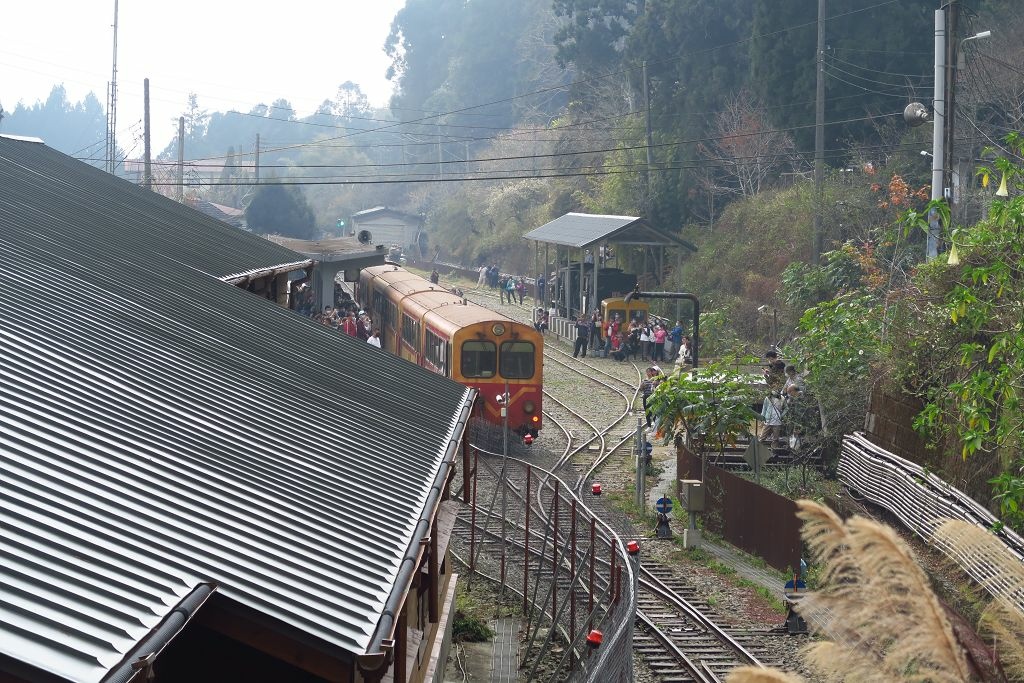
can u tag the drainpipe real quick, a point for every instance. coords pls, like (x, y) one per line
(637, 294)
(374, 663)
(138, 663)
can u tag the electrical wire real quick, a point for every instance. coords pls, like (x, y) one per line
(684, 142)
(876, 71)
(884, 83)
(530, 173)
(861, 87)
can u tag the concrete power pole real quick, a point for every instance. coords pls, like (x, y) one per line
(938, 133)
(952, 44)
(819, 140)
(257, 158)
(181, 158)
(147, 179)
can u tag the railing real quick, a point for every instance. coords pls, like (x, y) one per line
(921, 501)
(570, 570)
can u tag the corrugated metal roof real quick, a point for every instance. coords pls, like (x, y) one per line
(159, 427)
(580, 229)
(584, 229)
(140, 222)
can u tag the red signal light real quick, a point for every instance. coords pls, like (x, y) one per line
(596, 489)
(594, 639)
(632, 547)
(528, 439)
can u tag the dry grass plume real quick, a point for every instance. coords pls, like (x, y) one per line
(753, 674)
(876, 606)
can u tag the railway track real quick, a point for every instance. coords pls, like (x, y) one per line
(677, 633)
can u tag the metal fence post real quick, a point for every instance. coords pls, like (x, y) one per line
(554, 556)
(526, 541)
(572, 591)
(590, 605)
(472, 520)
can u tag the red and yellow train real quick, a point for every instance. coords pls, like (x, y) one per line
(429, 326)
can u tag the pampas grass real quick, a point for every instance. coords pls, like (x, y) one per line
(876, 606)
(752, 674)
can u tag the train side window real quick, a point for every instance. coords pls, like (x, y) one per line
(517, 360)
(411, 332)
(479, 358)
(436, 351)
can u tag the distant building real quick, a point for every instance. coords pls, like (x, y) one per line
(392, 228)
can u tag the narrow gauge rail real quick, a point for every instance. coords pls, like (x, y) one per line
(679, 641)
(548, 553)
(677, 638)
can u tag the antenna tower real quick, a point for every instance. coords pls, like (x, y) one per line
(112, 107)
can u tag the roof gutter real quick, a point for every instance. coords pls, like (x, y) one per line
(264, 272)
(378, 652)
(139, 661)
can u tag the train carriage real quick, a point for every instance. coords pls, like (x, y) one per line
(473, 345)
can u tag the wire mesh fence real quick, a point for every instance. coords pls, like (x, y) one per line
(571, 572)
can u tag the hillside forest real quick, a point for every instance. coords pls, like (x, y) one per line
(506, 115)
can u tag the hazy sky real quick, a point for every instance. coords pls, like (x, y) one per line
(233, 54)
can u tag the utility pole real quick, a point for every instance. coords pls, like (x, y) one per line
(647, 116)
(257, 158)
(952, 47)
(147, 179)
(938, 133)
(112, 107)
(181, 158)
(819, 140)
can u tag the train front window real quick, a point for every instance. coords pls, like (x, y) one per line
(479, 359)
(517, 360)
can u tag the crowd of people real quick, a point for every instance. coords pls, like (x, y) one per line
(344, 316)
(785, 407)
(651, 341)
(510, 288)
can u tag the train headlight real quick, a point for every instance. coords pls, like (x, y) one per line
(536, 418)
(528, 407)
(498, 329)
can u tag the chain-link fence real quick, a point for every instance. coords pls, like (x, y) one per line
(572, 572)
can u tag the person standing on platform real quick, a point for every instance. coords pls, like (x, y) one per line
(595, 332)
(582, 335)
(659, 343)
(374, 339)
(541, 282)
(675, 340)
(502, 282)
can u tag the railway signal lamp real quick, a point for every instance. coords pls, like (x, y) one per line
(528, 439)
(594, 639)
(633, 548)
(596, 489)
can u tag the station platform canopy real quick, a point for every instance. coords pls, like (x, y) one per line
(579, 230)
